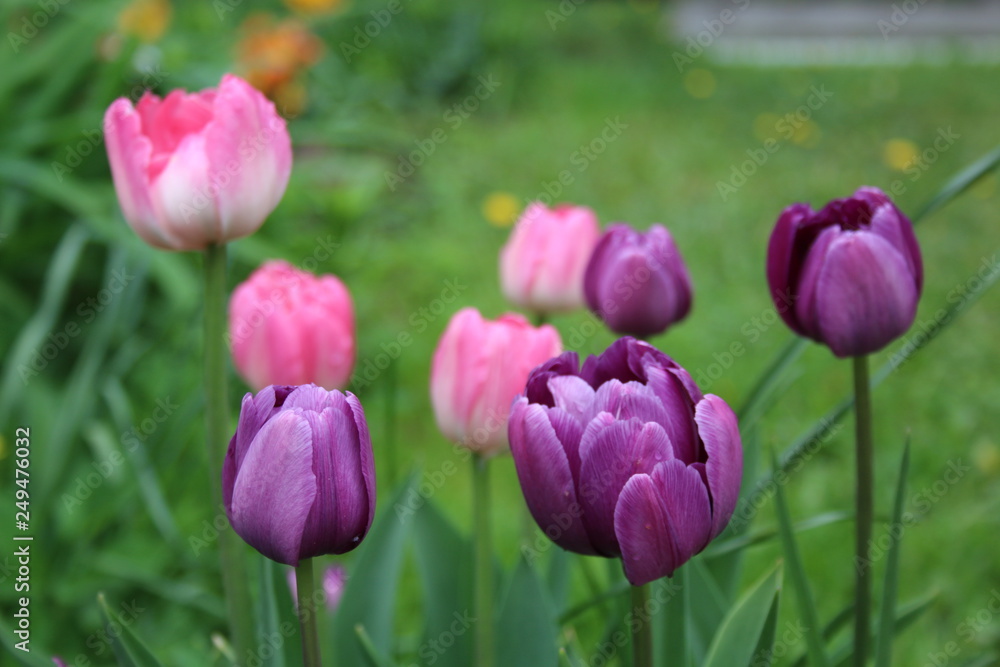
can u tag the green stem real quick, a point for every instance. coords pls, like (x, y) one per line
(642, 636)
(234, 572)
(865, 508)
(483, 562)
(305, 587)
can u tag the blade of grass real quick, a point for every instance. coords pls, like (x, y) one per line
(887, 621)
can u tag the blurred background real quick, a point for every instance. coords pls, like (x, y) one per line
(420, 131)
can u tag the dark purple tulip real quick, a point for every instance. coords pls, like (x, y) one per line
(625, 457)
(848, 276)
(637, 283)
(299, 477)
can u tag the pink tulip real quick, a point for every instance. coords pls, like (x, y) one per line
(289, 327)
(542, 265)
(194, 169)
(479, 367)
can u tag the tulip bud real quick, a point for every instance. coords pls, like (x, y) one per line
(637, 283)
(478, 368)
(196, 169)
(299, 477)
(626, 458)
(848, 276)
(288, 326)
(542, 265)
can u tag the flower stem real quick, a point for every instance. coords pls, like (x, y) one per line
(483, 562)
(865, 508)
(234, 572)
(642, 635)
(305, 587)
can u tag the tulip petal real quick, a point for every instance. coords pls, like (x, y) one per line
(685, 500)
(574, 395)
(783, 264)
(610, 453)
(890, 223)
(569, 430)
(367, 455)
(546, 479)
(250, 152)
(183, 196)
(865, 296)
(129, 154)
(806, 308)
(718, 428)
(537, 387)
(644, 533)
(678, 394)
(275, 488)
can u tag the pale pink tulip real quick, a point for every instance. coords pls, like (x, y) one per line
(479, 367)
(290, 327)
(195, 169)
(542, 265)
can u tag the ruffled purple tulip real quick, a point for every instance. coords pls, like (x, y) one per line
(848, 276)
(299, 476)
(626, 458)
(637, 283)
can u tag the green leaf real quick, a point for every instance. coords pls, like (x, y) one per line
(705, 606)
(444, 562)
(887, 623)
(369, 597)
(764, 535)
(960, 183)
(671, 647)
(127, 647)
(268, 617)
(528, 620)
(800, 584)
(757, 401)
(743, 629)
(905, 617)
(558, 578)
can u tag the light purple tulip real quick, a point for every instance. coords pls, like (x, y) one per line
(626, 458)
(849, 276)
(299, 476)
(637, 282)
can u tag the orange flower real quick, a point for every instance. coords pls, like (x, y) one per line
(273, 54)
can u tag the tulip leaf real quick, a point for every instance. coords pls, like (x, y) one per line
(268, 617)
(705, 607)
(671, 629)
(747, 625)
(959, 183)
(558, 577)
(887, 622)
(444, 562)
(127, 647)
(528, 619)
(370, 594)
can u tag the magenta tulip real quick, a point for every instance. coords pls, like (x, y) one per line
(195, 169)
(479, 367)
(849, 276)
(288, 326)
(637, 282)
(299, 477)
(542, 265)
(626, 458)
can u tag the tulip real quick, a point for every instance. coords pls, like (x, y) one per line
(334, 580)
(299, 478)
(626, 458)
(197, 169)
(479, 367)
(542, 265)
(637, 283)
(288, 326)
(848, 276)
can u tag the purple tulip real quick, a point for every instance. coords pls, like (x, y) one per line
(848, 276)
(299, 477)
(626, 457)
(637, 283)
